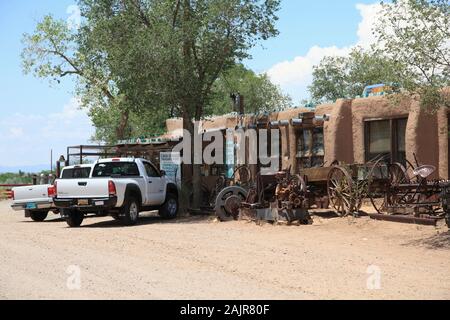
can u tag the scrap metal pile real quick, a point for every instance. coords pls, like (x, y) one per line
(396, 193)
(273, 197)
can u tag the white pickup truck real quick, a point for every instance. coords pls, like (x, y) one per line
(122, 187)
(37, 200)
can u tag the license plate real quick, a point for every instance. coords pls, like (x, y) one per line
(83, 202)
(31, 205)
(99, 203)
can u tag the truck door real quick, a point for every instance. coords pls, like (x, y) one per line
(155, 185)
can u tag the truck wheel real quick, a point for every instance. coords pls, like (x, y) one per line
(74, 218)
(130, 212)
(447, 220)
(38, 216)
(169, 209)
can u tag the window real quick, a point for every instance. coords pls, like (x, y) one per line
(123, 169)
(387, 138)
(76, 173)
(151, 170)
(310, 147)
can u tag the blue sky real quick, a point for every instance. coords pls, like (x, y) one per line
(35, 117)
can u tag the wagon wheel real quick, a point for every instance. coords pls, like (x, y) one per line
(398, 175)
(339, 185)
(378, 185)
(228, 202)
(383, 182)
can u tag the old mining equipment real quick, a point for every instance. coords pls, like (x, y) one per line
(275, 197)
(291, 196)
(228, 194)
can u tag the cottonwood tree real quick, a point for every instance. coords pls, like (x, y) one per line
(54, 51)
(140, 55)
(417, 34)
(173, 51)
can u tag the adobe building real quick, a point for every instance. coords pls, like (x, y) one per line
(351, 131)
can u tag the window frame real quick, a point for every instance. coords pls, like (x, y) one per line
(158, 173)
(393, 137)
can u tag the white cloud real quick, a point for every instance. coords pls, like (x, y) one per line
(295, 75)
(28, 138)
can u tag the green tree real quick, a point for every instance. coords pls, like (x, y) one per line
(417, 33)
(55, 52)
(346, 77)
(174, 51)
(134, 55)
(260, 94)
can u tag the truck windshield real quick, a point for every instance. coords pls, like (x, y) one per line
(76, 173)
(108, 169)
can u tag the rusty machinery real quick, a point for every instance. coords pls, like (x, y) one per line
(275, 197)
(407, 194)
(228, 194)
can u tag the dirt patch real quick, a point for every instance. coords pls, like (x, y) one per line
(199, 258)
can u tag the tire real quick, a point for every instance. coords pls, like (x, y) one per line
(130, 211)
(74, 218)
(169, 209)
(38, 216)
(447, 220)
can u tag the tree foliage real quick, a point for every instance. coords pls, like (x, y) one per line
(260, 94)
(417, 33)
(346, 77)
(412, 51)
(137, 62)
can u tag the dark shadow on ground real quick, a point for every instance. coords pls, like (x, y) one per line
(48, 220)
(438, 241)
(148, 219)
(330, 214)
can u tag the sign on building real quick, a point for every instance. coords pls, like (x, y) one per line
(170, 162)
(229, 154)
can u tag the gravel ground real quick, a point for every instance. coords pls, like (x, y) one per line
(199, 258)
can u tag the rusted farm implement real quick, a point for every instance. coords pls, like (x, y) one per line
(396, 193)
(408, 195)
(277, 196)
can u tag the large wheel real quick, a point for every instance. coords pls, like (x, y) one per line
(383, 185)
(228, 202)
(340, 193)
(38, 216)
(74, 218)
(169, 209)
(130, 211)
(378, 185)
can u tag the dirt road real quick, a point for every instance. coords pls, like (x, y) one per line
(198, 258)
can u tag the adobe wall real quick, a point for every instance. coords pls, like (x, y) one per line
(288, 138)
(443, 136)
(368, 109)
(426, 134)
(422, 131)
(337, 131)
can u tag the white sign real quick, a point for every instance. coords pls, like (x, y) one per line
(170, 162)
